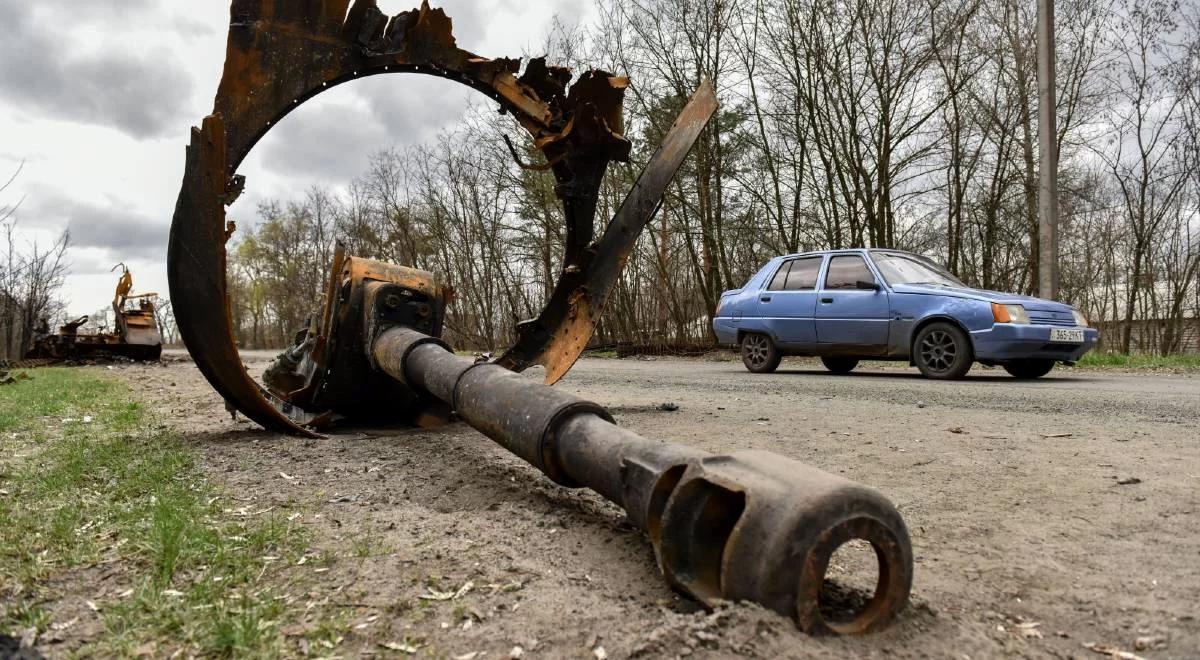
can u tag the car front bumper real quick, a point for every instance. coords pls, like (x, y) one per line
(1009, 341)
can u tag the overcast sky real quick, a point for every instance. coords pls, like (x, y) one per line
(97, 98)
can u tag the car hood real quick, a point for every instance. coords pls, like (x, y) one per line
(1028, 302)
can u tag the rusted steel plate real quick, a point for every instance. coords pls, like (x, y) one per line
(558, 337)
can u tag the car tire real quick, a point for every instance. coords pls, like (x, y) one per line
(840, 365)
(1029, 369)
(759, 353)
(942, 352)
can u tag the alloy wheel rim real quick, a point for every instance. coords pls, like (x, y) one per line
(754, 350)
(938, 351)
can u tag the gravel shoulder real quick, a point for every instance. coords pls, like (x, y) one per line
(1045, 515)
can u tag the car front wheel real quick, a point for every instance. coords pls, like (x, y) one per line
(1029, 369)
(839, 365)
(759, 353)
(942, 351)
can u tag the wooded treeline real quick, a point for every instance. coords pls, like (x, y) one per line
(31, 277)
(845, 123)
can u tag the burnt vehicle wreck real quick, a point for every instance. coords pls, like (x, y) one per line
(135, 335)
(750, 526)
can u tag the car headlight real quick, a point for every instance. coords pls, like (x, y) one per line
(1009, 314)
(1080, 319)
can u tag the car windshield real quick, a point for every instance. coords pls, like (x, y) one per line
(910, 269)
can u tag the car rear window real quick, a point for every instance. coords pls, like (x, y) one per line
(803, 276)
(846, 271)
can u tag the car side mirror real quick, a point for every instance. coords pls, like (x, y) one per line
(868, 286)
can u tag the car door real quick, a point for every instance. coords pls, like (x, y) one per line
(789, 300)
(849, 315)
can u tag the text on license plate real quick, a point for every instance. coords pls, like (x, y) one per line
(1066, 336)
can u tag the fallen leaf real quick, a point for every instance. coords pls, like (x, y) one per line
(287, 476)
(469, 656)
(1128, 481)
(396, 646)
(956, 429)
(1029, 629)
(63, 626)
(1144, 643)
(434, 594)
(1111, 651)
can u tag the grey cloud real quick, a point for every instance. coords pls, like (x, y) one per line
(141, 94)
(84, 263)
(110, 10)
(111, 226)
(190, 27)
(328, 138)
(412, 108)
(331, 137)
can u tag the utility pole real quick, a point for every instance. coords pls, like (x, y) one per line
(1048, 142)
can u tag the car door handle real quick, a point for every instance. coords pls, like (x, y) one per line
(827, 301)
(765, 299)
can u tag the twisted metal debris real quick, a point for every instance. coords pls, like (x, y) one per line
(750, 526)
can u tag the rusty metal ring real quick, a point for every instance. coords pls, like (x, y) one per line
(282, 54)
(893, 556)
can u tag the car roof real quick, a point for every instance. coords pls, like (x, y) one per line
(820, 253)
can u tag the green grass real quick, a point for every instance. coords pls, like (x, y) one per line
(1097, 360)
(93, 483)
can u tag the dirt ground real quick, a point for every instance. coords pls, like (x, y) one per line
(1046, 517)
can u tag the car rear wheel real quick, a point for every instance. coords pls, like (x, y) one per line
(943, 352)
(1029, 369)
(840, 365)
(759, 353)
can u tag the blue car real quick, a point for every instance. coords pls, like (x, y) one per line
(849, 305)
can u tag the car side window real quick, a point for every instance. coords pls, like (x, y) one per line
(780, 277)
(846, 271)
(803, 276)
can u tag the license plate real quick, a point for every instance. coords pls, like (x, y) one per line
(1060, 335)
